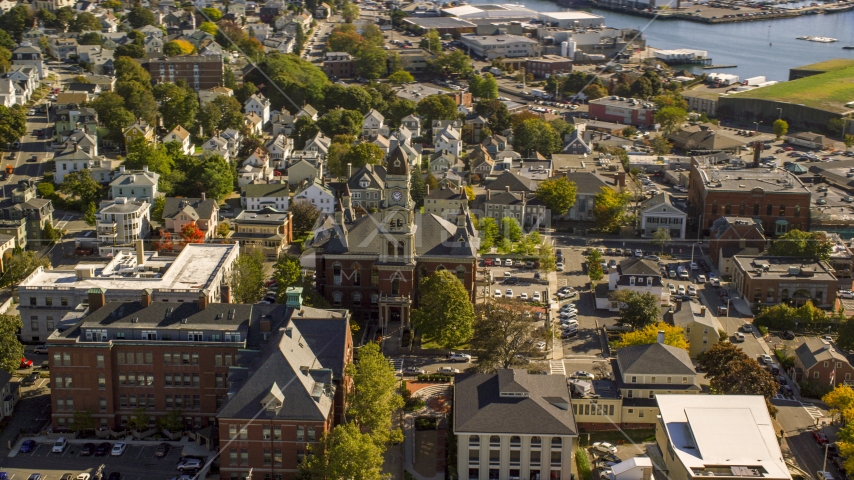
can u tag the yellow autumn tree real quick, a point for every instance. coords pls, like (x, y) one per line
(673, 336)
(841, 401)
(172, 48)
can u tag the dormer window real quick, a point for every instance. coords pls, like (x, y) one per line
(649, 280)
(631, 280)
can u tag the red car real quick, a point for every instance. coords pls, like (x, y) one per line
(819, 437)
(26, 363)
(487, 262)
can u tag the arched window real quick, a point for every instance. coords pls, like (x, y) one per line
(715, 208)
(395, 287)
(536, 442)
(461, 273)
(400, 249)
(556, 442)
(728, 208)
(399, 223)
(357, 275)
(474, 441)
(336, 274)
(770, 210)
(756, 209)
(390, 249)
(494, 441)
(782, 209)
(515, 441)
(336, 298)
(357, 299)
(375, 276)
(440, 268)
(797, 210)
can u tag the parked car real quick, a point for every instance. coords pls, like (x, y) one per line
(448, 370)
(60, 445)
(788, 335)
(115, 476)
(28, 446)
(509, 293)
(766, 358)
(119, 449)
(692, 290)
(35, 476)
(40, 349)
(460, 357)
(103, 449)
(87, 450)
(819, 437)
(604, 447)
(189, 465)
(25, 363)
(584, 375)
(162, 450)
(747, 327)
(845, 294)
(414, 370)
(498, 294)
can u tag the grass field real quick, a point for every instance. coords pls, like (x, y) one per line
(828, 65)
(827, 91)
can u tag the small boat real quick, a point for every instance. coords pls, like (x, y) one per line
(848, 47)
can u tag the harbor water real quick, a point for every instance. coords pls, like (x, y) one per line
(766, 47)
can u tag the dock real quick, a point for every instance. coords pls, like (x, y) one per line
(711, 67)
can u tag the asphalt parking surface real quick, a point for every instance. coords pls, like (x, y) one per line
(137, 463)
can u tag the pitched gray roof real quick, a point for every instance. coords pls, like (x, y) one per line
(638, 266)
(586, 182)
(541, 406)
(266, 190)
(814, 350)
(204, 208)
(655, 358)
(516, 182)
(171, 315)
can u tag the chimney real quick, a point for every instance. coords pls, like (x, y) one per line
(621, 179)
(121, 169)
(266, 324)
(203, 196)
(203, 299)
(507, 188)
(428, 189)
(661, 337)
(96, 298)
(76, 147)
(140, 255)
(145, 300)
(225, 294)
(703, 310)
(488, 194)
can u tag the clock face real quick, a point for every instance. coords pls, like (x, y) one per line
(396, 196)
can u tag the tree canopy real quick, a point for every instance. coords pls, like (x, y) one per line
(732, 372)
(375, 395)
(609, 208)
(673, 336)
(536, 136)
(11, 349)
(445, 314)
(558, 194)
(796, 243)
(501, 335)
(637, 309)
(247, 277)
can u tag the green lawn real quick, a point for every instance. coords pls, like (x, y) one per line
(827, 91)
(828, 65)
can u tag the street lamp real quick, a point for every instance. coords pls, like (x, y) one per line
(779, 113)
(757, 126)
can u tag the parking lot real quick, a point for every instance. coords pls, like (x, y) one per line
(137, 463)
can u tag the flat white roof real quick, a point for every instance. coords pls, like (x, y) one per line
(571, 15)
(722, 431)
(193, 269)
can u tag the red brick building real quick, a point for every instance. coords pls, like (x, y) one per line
(730, 236)
(159, 356)
(201, 72)
(626, 111)
(547, 65)
(291, 394)
(338, 64)
(777, 198)
(817, 361)
(375, 262)
(763, 281)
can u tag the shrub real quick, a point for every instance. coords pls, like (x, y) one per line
(425, 423)
(763, 329)
(582, 463)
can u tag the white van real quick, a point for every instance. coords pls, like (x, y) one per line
(60, 445)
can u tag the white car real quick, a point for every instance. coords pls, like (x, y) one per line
(508, 262)
(672, 288)
(460, 357)
(701, 279)
(509, 293)
(681, 290)
(584, 375)
(523, 296)
(498, 294)
(694, 265)
(559, 266)
(845, 294)
(60, 445)
(541, 345)
(568, 321)
(536, 297)
(604, 447)
(448, 370)
(83, 476)
(118, 449)
(766, 359)
(692, 290)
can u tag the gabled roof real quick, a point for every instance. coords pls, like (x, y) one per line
(655, 359)
(516, 182)
(180, 132)
(136, 178)
(815, 350)
(204, 209)
(254, 190)
(657, 200)
(375, 115)
(638, 266)
(586, 182)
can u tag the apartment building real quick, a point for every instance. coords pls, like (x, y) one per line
(338, 64)
(123, 221)
(178, 212)
(267, 230)
(46, 296)
(512, 425)
(158, 356)
(137, 185)
(201, 72)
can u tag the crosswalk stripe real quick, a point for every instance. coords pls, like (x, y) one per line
(396, 364)
(812, 410)
(557, 367)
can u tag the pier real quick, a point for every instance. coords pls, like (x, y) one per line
(715, 67)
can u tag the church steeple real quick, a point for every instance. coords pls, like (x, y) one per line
(397, 180)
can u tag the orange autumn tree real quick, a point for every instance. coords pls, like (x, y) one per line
(165, 242)
(191, 234)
